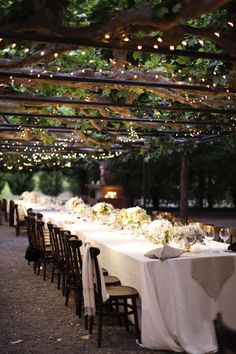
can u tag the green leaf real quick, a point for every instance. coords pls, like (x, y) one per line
(106, 91)
(160, 12)
(176, 8)
(137, 55)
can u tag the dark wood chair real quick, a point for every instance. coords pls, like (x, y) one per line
(4, 209)
(58, 265)
(74, 275)
(121, 302)
(226, 336)
(11, 212)
(46, 257)
(20, 222)
(0, 212)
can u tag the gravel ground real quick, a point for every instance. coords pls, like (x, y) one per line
(34, 319)
(33, 316)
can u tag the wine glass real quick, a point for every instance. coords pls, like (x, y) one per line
(209, 236)
(224, 234)
(189, 241)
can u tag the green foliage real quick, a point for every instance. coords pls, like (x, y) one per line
(51, 182)
(2, 180)
(19, 182)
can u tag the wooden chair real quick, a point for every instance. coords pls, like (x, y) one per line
(45, 247)
(11, 212)
(19, 221)
(74, 275)
(4, 209)
(58, 255)
(226, 336)
(55, 254)
(121, 302)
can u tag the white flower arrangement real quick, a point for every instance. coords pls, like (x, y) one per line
(73, 202)
(102, 210)
(47, 200)
(83, 210)
(33, 196)
(160, 231)
(188, 231)
(134, 217)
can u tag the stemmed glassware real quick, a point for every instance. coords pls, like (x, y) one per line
(209, 236)
(224, 234)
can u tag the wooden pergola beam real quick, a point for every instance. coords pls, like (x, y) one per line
(152, 121)
(88, 42)
(116, 132)
(73, 102)
(73, 78)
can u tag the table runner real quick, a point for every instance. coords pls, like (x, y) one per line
(212, 273)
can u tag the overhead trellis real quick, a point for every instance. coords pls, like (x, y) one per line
(148, 71)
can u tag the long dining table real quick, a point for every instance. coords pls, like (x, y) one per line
(179, 297)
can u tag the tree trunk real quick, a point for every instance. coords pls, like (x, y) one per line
(184, 187)
(201, 187)
(210, 192)
(144, 184)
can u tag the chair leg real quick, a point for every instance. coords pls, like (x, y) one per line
(39, 265)
(17, 230)
(91, 319)
(78, 306)
(126, 315)
(58, 280)
(53, 272)
(117, 310)
(35, 267)
(63, 283)
(67, 295)
(100, 318)
(86, 321)
(44, 269)
(138, 333)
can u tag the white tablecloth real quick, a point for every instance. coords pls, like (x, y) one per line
(176, 311)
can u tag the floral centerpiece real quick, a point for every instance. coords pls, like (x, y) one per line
(47, 200)
(133, 217)
(187, 235)
(73, 202)
(160, 231)
(102, 210)
(190, 230)
(83, 210)
(32, 196)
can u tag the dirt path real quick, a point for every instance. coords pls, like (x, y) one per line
(33, 317)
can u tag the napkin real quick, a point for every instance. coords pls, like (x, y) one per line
(88, 275)
(164, 252)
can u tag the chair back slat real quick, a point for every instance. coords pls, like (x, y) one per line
(94, 252)
(11, 212)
